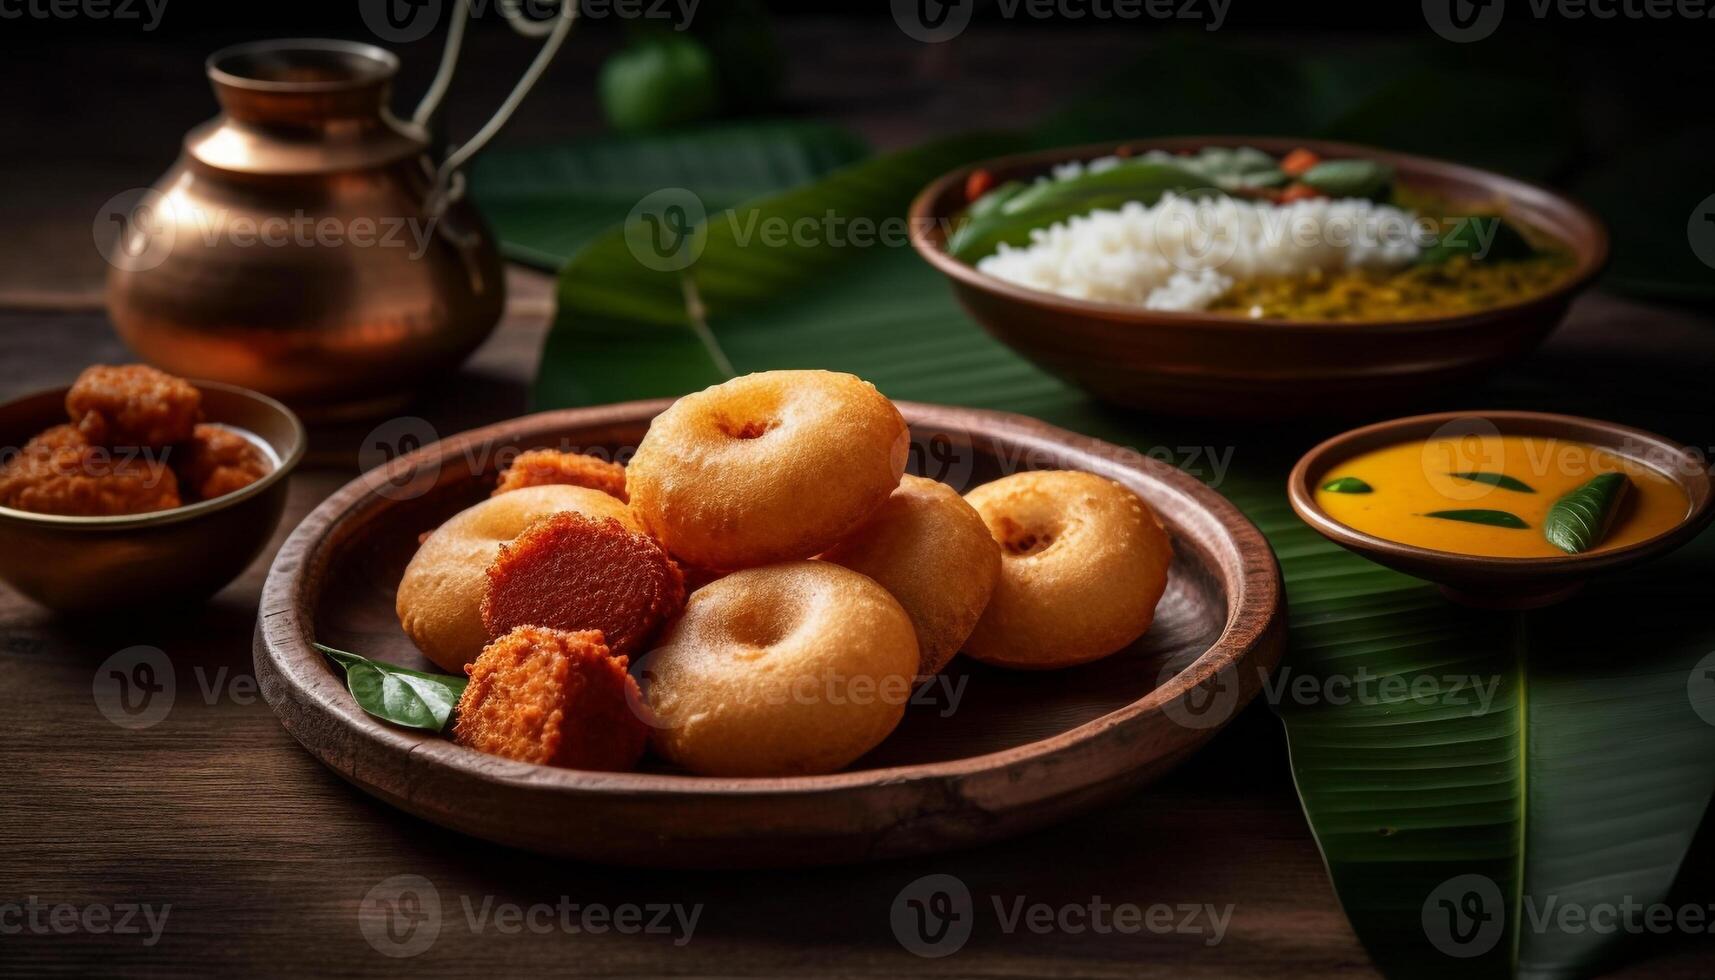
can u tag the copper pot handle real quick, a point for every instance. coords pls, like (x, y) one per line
(449, 183)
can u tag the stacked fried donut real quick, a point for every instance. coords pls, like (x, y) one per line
(758, 591)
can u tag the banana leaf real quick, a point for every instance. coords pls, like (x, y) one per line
(547, 202)
(1578, 780)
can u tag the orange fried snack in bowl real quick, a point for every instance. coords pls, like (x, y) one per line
(216, 461)
(769, 467)
(554, 698)
(59, 472)
(1083, 564)
(542, 467)
(440, 596)
(133, 405)
(930, 550)
(572, 572)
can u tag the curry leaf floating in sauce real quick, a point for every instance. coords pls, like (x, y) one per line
(1578, 521)
(1501, 480)
(404, 697)
(1491, 518)
(1348, 484)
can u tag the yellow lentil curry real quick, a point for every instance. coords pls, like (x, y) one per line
(1396, 492)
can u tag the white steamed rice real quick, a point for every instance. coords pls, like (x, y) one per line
(1184, 254)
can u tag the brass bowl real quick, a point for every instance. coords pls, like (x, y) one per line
(168, 557)
(1219, 365)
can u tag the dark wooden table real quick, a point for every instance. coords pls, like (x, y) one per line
(260, 858)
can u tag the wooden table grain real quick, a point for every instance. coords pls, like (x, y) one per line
(260, 859)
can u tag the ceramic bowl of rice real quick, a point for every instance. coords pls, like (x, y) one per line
(1256, 277)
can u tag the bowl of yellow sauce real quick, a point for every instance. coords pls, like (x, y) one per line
(1510, 509)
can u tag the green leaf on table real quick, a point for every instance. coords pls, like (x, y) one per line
(410, 698)
(1582, 781)
(1578, 521)
(1348, 484)
(1491, 518)
(547, 202)
(1501, 480)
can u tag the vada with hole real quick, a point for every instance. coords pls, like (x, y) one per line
(766, 468)
(786, 670)
(1083, 565)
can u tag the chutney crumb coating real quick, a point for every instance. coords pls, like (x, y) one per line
(540, 467)
(215, 461)
(133, 405)
(554, 698)
(59, 472)
(571, 572)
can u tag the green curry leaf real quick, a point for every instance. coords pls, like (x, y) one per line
(1491, 518)
(1348, 484)
(1495, 480)
(404, 697)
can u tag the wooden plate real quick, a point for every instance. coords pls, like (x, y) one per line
(1011, 752)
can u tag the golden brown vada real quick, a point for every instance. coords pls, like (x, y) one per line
(783, 670)
(1083, 564)
(930, 550)
(768, 467)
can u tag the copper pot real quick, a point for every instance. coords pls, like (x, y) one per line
(301, 246)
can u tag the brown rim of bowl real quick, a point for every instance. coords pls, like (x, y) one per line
(300, 437)
(1313, 465)
(924, 228)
